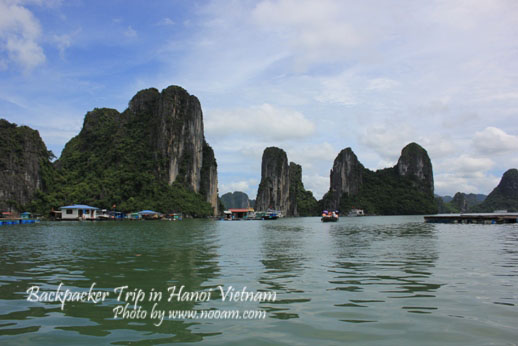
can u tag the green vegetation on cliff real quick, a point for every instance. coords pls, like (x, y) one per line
(406, 188)
(301, 200)
(504, 196)
(384, 192)
(25, 167)
(128, 160)
(460, 203)
(111, 164)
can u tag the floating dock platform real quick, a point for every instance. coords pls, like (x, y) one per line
(483, 218)
(6, 222)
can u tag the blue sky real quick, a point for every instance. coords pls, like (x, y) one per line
(311, 77)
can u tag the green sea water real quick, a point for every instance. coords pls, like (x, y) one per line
(366, 281)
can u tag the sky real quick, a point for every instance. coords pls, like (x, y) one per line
(310, 77)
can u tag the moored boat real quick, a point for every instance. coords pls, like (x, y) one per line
(356, 212)
(329, 216)
(270, 214)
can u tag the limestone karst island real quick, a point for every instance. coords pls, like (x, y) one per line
(152, 161)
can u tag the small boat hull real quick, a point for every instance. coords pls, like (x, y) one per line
(329, 219)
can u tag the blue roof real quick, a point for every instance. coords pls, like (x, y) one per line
(148, 212)
(79, 206)
(25, 213)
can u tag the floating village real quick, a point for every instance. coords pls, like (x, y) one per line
(80, 212)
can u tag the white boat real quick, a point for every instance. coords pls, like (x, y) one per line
(356, 212)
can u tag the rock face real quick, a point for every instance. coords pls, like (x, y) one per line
(209, 177)
(273, 192)
(160, 133)
(301, 202)
(346, 177)
(281, 186)
(415, 163)
(236, 200)
(295, 176)
(175, 122)
(504, 196)
(406, 188)
(23, 158)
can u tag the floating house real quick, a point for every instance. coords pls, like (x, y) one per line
(6, 215)
(150, 214)
(239, 214)
(25, 215)
(133, 216)
(110, 215)
(79, 212)
(175, 217)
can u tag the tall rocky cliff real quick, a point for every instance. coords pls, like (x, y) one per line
(406, 188)
(415, 164)
(281, 186)
(273, 192)
(346, 177)
(158, 139)
(504, 196)
(24, 162)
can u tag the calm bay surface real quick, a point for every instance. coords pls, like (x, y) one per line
(369, 280)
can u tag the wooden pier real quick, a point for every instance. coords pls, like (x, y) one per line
(486, 218)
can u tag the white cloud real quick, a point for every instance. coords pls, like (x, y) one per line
(130, 32)
(381, 84)
(466, 15)
(62, 43)
(25, 52)
(322, 31)
(493, 140)
(387, 140)
(336, 89)
(511, 95)
(450, 183)
(166, 22)
(464, 173)
(259, 122)
(20, 32)
(465, 164)
(310, 156)
(318, 184)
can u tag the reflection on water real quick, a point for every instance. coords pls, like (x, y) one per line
(284, 259)
(375, 265)
(371, 280)
(144, 255)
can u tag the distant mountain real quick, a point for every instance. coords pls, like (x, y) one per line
(446, 199)
(504, 196)
(463, 202)
(460, 203)
(235, 199)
